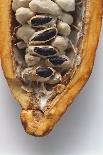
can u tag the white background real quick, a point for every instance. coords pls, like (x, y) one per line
(79, 132)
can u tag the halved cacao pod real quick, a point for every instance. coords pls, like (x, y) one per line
(35, 121)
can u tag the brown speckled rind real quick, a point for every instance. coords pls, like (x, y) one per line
(34, 121)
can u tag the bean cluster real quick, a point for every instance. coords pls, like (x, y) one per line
(42, 34)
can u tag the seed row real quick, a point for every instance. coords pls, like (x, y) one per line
(42, 38)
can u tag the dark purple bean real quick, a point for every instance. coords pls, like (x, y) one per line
(57, 60)
(45, 36)
(45, 51)
(44, 72)
(40, 20)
